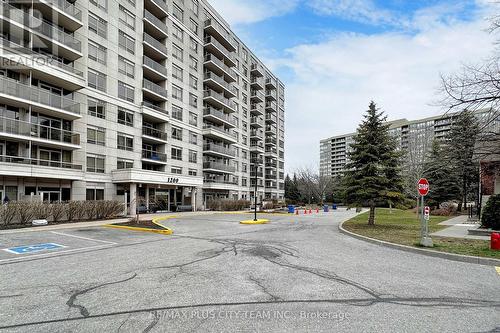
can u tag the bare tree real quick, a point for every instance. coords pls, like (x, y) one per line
(312, 185)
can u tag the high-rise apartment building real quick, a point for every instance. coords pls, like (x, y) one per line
(156, 99)
(415, 137)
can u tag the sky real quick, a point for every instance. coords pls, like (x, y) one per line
(335, 56)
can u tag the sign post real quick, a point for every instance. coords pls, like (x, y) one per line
(423, 190)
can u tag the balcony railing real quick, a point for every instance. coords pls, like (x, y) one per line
(271, 105)
(219, 114)
(154, 155)
(271, 94)
(220, 181)
(257, 145)
(37, 95)
(18, 127)
(43, 27)
(270, 118)
(155, 65)
(156, 88)
(225, 101)
(154, 107)
(220, 30)
(271, 164)
(153, 132)
(257, 107)
(32, 161)
(66, 7)
(271, 83)
(156, 44)
(162, 4)
(222, 48)
(256, 121)
(256, 134)
(256, 70)
(220, 130)
(219, 80)
(257, 94)
(219, 166)
(256, 174)
(219, 149)
(159, 24)
(221, 64)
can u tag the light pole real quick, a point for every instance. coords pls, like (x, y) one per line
(255, 191)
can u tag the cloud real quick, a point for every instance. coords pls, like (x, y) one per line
(245, 12)
(332, 82)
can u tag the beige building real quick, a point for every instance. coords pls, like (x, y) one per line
(151, 99)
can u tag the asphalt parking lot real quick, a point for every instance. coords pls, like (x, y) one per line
(297, 273)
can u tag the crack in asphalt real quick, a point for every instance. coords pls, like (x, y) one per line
(263, 288)
(11, 296)
(151, 325)
(123, 323)
(83, 310)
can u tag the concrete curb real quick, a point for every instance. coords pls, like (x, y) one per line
(157, 220)
(431, 253)
(259, 221)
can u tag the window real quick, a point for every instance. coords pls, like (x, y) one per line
(176, 112)
(98, 25)
(193, 172)
(97, 52)
(193, 156)
(193, 100)
(244, 167)
(125, 91)
(94, 194)
(193, 81)
(177, 133)
(244, 182)
(125, 142)
(126, 17)
(177, 32)
(193, 119)
(97, 80)
(95, 163)
(193, 138)
(177, 52)
(177, 72)
(176, 153)
(178, 12)
(96, 108)
(124, 164)
(96, 135)
(176, 170)
(126, 67)
(177, 92)
(193, 63)
(103, 4)
(125, 117)
(193, 26)
(193, 44)
(195, 7)
(126, 42)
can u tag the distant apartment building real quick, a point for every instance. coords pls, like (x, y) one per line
(415, 137)
(156, 99)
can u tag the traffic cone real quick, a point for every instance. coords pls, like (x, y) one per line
(317, 210)
(296, 212)
(310, 211)
(305, 211)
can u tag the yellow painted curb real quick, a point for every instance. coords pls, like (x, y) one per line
(259, 221)
(157, 220)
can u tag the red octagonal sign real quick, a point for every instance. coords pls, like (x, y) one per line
(423, 186)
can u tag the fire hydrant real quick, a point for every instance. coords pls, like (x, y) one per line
(495, 241)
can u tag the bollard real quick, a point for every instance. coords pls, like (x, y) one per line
(495, 241)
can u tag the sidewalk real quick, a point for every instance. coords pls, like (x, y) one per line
(458, 228)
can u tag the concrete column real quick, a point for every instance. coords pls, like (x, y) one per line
(193, 198)
(133, 199)
(175, 196)
(147, 196)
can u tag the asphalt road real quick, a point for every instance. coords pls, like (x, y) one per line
(296, 274)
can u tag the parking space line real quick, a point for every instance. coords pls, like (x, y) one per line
(497, 269)
(51, 254)
(85, 238)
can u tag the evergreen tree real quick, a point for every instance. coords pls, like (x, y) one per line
(445, 184)
(291, 189)
(373, 177)
(461, 142)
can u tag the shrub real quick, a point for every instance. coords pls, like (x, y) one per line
(24, 211)
(491, 213)
(71, 208)
(8, 212)
(57, 211)
(40, 210)
(90, 208)
(228, 205)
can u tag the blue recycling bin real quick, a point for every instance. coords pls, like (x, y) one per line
(291, 209)
(334, 207)
(325, 208)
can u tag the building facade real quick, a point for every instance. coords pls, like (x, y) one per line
(151, 100)
(415, 137)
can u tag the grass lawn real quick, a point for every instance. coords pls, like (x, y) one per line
(403, 227)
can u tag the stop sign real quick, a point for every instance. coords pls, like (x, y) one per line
(423, 187)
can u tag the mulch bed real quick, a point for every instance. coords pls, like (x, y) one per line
(141, 224)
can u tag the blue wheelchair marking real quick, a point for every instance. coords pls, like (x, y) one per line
(33, 248)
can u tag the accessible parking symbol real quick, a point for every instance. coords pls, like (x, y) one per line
(33, 248)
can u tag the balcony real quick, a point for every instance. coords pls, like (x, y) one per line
(213, 46)
(270, 151)
(218, 133)
(270, 83)
(271, 164)
(273, 176)
(43, 66)
(255, 135)
(270, 119)
(68, 16)
(256, 83)
(256, 109)
(218, 117)
(216, 65)
(258, 174)
(271, 130)
(159, 7)
(154, 91)
(154, 157)
(154, 26)
(217, 167)
(271, 106)
(256, 122)
(256, 96)
(28, 167)
(220, 184)
(270, 141)
(153, 69)
(270, 95)
(218, 84)
(215, 29)
(67, 45)
(17, 94)
(158, 113)
(257, 147)
(48, 136)
(154, 49)
(256, 70)
(218, 100)
(153, 134)
(218, 150)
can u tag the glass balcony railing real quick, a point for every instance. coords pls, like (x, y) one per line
(227, 54)
(154, 133)
(37, 95)
(219, 149)
(66, 7)
(230, 72)
(219, 114)
(154, 155)
(155, 65)
(219, 130)
(159, 24)
(154, 107)
(221, 31)
(220, 181)
(219, 80)
(32, 161)
(223, 100)
(219, 167)
(154, 87)
(155, 44)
